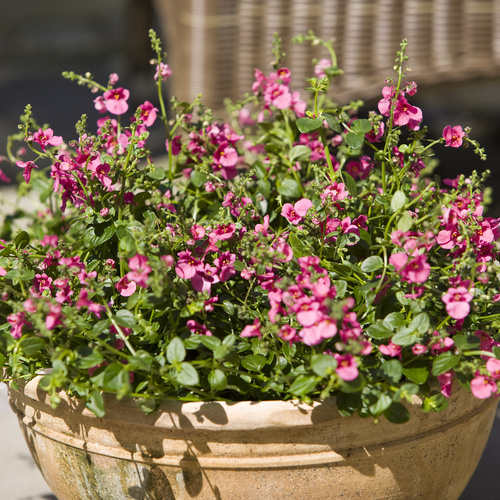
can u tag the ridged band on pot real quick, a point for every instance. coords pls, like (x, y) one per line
(247, 450)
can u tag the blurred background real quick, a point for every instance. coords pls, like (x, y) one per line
(213, 47)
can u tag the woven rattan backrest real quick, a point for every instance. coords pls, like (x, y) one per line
(215, 45)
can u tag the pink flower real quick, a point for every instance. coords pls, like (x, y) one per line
(198, 328)
(204, 278)
(115, 100)
(148, 113)
(125, 287)
(347, 368)
(139, 270)
(416, 270)
(453, 136)
(252, 330)
(295, 213)
(47, 138)
(187, 265)
(176, 145)
(457, 302)
(163, 71)
(278, 95)
(319, 69)
(445, 381)
(28, 167)
(391, 349)
(493, 366)
(17, 321)
(482, 387)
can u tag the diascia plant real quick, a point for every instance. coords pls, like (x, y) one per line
(294, 251)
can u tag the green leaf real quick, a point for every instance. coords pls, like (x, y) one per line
(496, 351)
(466, 341)
(301, 152)
(97, 235)
(323, 365)
(211, 342)
(158, 174)
(28, 275)
(396, 320)
(355, 139)
(228, 307)
(405, 337)
(95, 403)
(398, 200)
(379, 330)
(298, 246)
(31, 345)
(125, 318)
(22, 239)
(352, 386)
(253, 362)
(13, 274)
(187, 375)
(93, 359)
(176, 352)
(114, 378)
(397, 413)
(372, 263)
(303, 384)
(417, 372)
(141, 361)
(362, 125)
(198, 178)
(289, 188)
(393, 369)
(350, 184)
(333, 123)
(437, 402)
(382, 404)
(217, 379)
(444, 363)
(420, 323)
(306, 124)
(405, 222)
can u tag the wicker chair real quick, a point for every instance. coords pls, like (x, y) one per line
(215, 45)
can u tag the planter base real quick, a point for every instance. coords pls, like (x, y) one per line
(251, 450)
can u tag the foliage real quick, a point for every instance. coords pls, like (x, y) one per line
(297, 251)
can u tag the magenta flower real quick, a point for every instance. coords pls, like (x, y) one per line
(125, 287)
(392, 350)
(163, 71)
(187, 265)
(347, 368)
(28, 167)
(295, 213)
(457, 302)
(47, 138)
(445, 382)
(139, 270)
(453, 136)
(278, 95)
(115, 100)
(319, 69)
(416, 270)
(493, 366)
(204, 278)
(198, 328)
(482, 387)
(148, 113)
(252, 330)
(17, 321)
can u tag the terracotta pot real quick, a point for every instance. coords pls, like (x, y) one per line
(266, 450)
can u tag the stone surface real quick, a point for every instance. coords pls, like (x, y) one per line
(251, 451)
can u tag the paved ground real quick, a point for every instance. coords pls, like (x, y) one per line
(38, 40)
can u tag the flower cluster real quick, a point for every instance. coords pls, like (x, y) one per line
(294, 251)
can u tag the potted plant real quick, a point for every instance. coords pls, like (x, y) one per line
(293, 281)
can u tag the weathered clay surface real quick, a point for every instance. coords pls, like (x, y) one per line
(249, 451)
